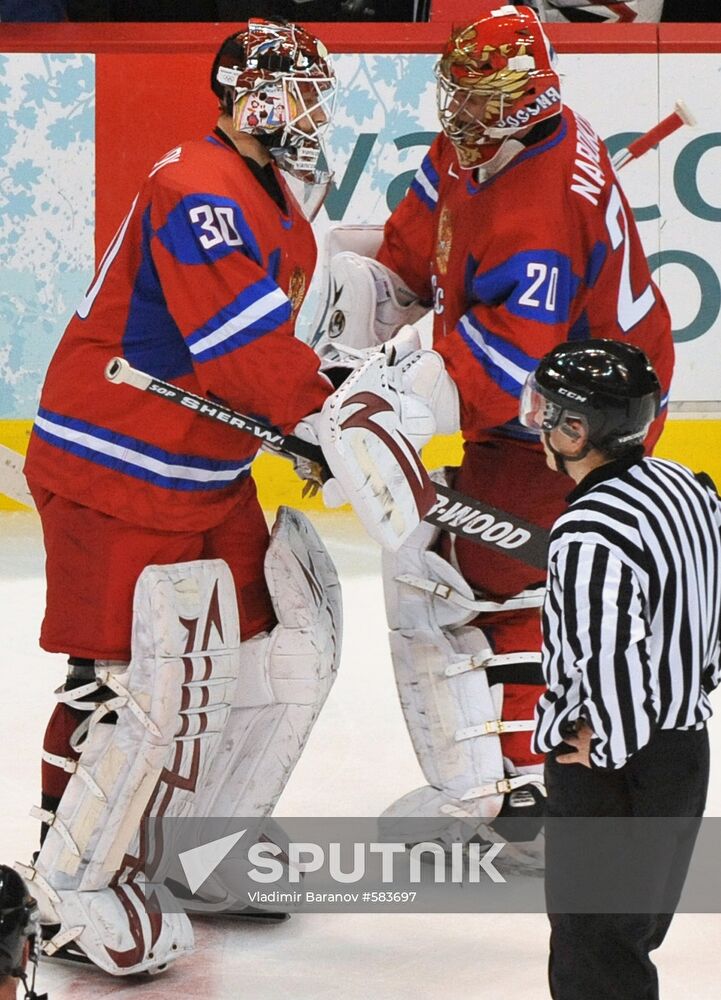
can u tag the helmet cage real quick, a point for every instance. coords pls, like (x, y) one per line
(293, 110)
(459, 119)
(506, 58)
(276, 81)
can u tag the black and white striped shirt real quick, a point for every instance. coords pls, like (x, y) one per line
(632, 611)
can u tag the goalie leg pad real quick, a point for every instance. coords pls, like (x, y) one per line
(167, 708)
(284, 677)
(451, 685)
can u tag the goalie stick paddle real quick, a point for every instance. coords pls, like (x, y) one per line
(454, 512)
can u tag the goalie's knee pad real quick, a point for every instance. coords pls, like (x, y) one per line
(284, 677)
(167, 710)
(451, 687)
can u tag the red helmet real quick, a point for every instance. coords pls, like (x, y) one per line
(275, 79)
(495, 77)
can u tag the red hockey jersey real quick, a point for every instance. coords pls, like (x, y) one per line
(200, 286)
(544, 251)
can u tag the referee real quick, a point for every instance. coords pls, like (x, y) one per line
(631, 645)
(19, 937)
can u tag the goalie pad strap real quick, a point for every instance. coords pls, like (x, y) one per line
(497, 663)
(526, 599)
(31, 874)
(502, 787)
(61, 939)
(52, 821)
(71, 766)
(494, 727)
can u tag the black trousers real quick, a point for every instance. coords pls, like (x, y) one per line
(599, 956)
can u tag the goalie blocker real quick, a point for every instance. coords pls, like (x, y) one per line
(197, 724)
(370, 431)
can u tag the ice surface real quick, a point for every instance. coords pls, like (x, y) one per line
(358, 760)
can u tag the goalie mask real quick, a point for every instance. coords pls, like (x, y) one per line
(495, 78)
(276, 82)
(607, 385)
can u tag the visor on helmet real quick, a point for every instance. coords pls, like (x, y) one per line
(535, 411)
(540, 414)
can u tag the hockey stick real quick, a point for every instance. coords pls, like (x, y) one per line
(679, 116)
(12, 480)
(454, 512)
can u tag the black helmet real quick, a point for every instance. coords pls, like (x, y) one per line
(18, 923)
(607, 384)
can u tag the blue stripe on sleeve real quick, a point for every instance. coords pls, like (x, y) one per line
(506, 364)
(258, 309)
(425, 183)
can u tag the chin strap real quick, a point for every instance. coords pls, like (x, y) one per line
(561, 459)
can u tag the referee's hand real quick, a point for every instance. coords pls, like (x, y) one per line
(581, 742)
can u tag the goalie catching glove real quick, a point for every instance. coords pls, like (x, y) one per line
(370, 431)
(367, 304)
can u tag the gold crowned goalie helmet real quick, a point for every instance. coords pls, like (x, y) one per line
(495, 78)
(276, 81)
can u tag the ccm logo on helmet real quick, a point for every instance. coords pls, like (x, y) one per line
(524, 115)
(572, 395)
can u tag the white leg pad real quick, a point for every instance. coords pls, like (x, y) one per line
(284, 677)
(441, 710)
(120, 932)
(453, 710)
(172, 702)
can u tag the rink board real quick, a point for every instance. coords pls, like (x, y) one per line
(76, 139)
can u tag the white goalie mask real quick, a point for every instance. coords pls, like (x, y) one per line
(276, 82)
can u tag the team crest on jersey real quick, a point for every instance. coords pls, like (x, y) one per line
(443, 240)
(296, 288)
